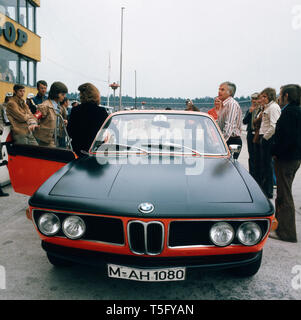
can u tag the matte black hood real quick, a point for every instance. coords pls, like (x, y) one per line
(174, 189)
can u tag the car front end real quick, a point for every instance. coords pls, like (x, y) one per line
(152, 209)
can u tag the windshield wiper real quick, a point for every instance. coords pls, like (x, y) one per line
(117, 147)
(170, 146)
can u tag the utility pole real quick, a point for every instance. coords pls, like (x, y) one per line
(135, 89)
(121, 48)
(109, 80)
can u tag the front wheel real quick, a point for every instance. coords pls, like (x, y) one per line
(58, 262)
(249, 270)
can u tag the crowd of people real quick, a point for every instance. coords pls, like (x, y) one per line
(273, 132)
(274, 144)
(45, 120)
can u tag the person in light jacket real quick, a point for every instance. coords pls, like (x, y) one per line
(23, 123)
(48, 111)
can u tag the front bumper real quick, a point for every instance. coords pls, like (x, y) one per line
(93, 258)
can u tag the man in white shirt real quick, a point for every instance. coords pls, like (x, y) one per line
(230, 114)
(270, 117)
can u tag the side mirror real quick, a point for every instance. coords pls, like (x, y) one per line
(235, 150)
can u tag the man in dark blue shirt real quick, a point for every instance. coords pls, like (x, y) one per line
(42, 90)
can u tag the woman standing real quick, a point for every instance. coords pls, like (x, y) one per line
(86, 119)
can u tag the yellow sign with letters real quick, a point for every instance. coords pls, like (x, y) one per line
(19, 39)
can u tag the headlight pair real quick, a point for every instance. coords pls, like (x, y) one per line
(73, 227)
(248, 234)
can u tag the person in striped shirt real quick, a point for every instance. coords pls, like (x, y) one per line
(230, 114)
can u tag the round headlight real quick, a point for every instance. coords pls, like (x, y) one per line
(249, 233)
(74, 227)
(49, 224)
(222, 234)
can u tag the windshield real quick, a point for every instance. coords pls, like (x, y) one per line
(160, 132)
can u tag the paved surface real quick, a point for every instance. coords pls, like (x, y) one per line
(30, 276)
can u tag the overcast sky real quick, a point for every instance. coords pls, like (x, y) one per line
(178, 48)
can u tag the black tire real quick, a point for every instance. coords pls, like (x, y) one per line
(248, 270)
(58, 262)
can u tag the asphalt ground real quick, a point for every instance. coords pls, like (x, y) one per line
(29, 276)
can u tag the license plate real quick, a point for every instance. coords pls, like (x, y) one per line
(147, 275)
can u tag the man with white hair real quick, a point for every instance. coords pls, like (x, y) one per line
(230, 114)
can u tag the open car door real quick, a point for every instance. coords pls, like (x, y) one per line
(30, 166)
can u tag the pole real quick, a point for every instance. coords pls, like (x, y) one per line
(109, 80)
(121, 47)
(114, 102)
(135, 89)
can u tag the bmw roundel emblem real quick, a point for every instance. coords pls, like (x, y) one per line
(146, 207)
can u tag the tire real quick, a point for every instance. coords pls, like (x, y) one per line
(248, 270)
(58, 262)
